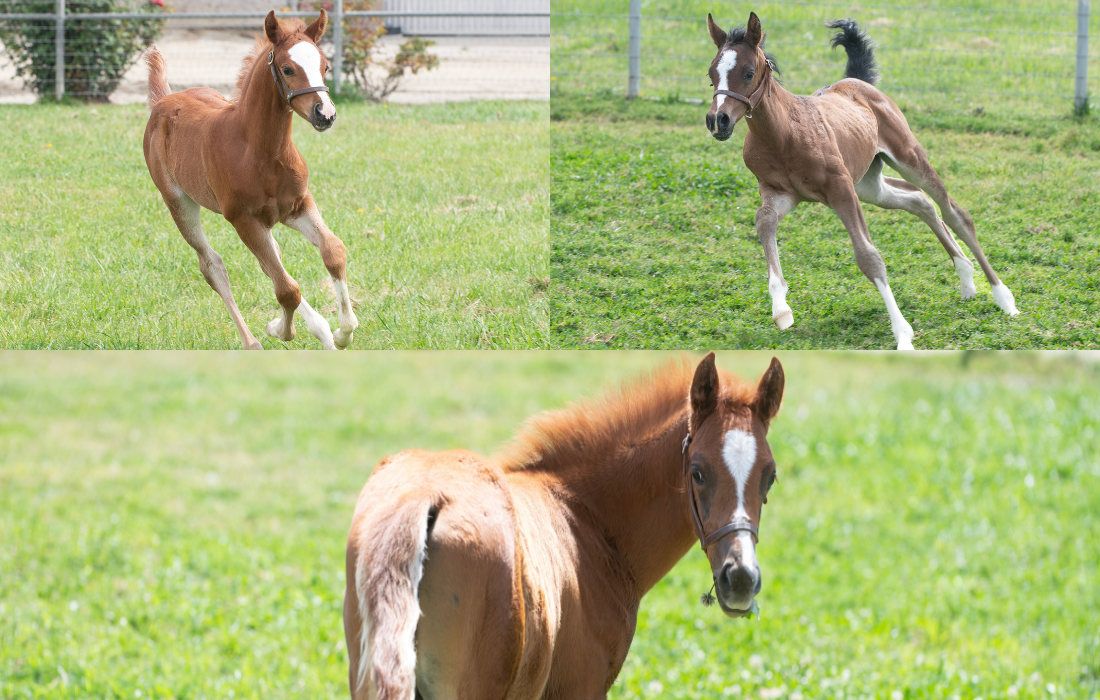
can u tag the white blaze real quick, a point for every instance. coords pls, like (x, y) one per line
(725, 65)
(308, 57)
(739, 452)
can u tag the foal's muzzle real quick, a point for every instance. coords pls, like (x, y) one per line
(319, 121)
(737, 585)
(720, 125)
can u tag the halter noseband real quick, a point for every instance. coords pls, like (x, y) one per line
(758, 94)
(280, 83)
(705, 540)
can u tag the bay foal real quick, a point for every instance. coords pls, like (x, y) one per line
(236, 158)
(520, 576)
(831, 147)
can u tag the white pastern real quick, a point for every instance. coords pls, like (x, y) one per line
(739, 452)
(725, 65)
(317, 325)
(308, 57)
(346, 320)
(965, 271)
(903, 332)
(781, 312)
(1003, 296)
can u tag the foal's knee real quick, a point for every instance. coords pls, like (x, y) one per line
(334, 254)
(766, 218)
(870, 263)
(289, 295)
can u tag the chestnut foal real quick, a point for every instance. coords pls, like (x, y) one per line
(830, 147)
(236, 158)
(520, 576)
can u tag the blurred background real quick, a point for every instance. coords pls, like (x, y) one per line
(173, 525)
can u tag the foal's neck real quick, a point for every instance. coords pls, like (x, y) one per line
(770, 120)
(638, 498)
(263, 113)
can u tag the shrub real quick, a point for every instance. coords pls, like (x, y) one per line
(97, 52)
(376, 79)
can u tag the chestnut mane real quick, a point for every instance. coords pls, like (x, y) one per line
(635, 413)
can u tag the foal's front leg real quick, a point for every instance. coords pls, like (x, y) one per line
(845, 203)
(259, 240)
(775, 205)
(308, 222)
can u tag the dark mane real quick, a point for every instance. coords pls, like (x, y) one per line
(635, 413)
(261, 47)
(736, 35)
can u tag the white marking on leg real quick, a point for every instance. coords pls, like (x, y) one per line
(781, 312)
(965, 271)
(317, 325)
(903, 332)
(346, 319)
(725, 65)
(1003, 296)
(308, 57)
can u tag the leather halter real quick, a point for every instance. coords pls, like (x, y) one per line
(758, 94)
(705, 540)
(283, 88)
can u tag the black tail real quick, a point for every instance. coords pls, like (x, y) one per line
(860, 50)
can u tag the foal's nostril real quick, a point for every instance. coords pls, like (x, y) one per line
(724, 122)
(710, 122)
(741, 582)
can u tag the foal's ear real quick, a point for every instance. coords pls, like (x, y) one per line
(769, 393)
(317, 30)
(755, 32)
(272, 28)
(716, 34)
(704, 388)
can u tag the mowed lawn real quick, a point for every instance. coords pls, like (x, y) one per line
(173, 525)
(443, 210)
(653, 243)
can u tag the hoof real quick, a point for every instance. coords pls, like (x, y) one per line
(341, 339)
(253, 344)
(904, 337)
(1004, 299)
(969, 292)
(784, 320)
(905, 344)
(275, 329)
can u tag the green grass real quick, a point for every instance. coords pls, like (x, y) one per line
(931, 52)
(90, 258)
(173, 525)
(653, 243)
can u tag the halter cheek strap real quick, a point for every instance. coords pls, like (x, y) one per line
(705, 540)
(283, 88)
(757, 95)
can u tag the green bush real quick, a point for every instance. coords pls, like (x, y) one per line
(97, 52)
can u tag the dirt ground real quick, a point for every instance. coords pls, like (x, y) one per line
(470, 68)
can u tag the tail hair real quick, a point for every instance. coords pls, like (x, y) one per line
(158, 82)
(387, 579)
(860, 50)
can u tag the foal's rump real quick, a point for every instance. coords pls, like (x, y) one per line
(432, 586)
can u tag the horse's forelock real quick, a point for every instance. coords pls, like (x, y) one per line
(737, 36)
(295, 31)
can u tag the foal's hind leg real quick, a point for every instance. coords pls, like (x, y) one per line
(774, 206)
(308, 222)
(185, 212)
(845, 203)
(259, 240)
(891, 193)
(914, 167)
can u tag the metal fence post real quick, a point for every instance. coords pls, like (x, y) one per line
(338, 45)
(635, 49)
(1081, 91)
(59, 49)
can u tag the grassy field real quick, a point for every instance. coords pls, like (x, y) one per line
(653, 243)
(443, 210)
(173, 525)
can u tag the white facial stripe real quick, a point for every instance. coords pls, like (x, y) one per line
(725, 65)
(748, 551)
(739, 452)
(308, 58)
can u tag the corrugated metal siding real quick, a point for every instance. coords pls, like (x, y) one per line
(470, 26)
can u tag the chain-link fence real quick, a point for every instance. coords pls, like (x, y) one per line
(486, 48)
(1032, 55)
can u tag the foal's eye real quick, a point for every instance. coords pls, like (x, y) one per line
(749, 75)
(698, 478)
(288, 72)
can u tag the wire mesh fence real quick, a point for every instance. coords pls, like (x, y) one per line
(929, 51)
(486, 48)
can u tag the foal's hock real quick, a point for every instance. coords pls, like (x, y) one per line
(236, 158)
(831, 147)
